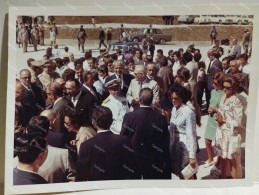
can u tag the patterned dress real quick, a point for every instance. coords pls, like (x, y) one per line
(228, 139)
(183, 143)
(211, 127)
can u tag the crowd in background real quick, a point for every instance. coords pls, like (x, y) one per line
(129, 115)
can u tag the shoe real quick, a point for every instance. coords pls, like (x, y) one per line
(215, 171)
(208, 164)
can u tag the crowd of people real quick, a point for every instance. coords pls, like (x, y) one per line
(129, 115)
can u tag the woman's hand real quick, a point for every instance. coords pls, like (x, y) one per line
(192, 162)
(219, 118)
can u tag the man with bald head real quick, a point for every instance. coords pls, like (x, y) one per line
(33, 100)
(141, 80)
(54, 138)
(60, 104)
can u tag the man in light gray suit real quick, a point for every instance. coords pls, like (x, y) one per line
(236, 48)
(142, 81)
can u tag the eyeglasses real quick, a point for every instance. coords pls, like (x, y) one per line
(67, 124)
(25, 78)
(225, 87)
(137, 74)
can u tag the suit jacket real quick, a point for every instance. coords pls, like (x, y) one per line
(25, 178)
(34, 100)
(105, 156)
(94, 99)
(126, 82)
(60, 109)
(215, 67)
(134, 90)
(58, 166)
(166, 74)
(149, 137)
(55, 139)
(160, 83)
(237, 50)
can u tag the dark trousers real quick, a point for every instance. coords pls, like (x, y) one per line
(201, 87)
(102, 42)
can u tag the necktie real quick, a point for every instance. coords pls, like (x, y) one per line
(92, 92)
(140, 84)
(208, 71)
(74, 101)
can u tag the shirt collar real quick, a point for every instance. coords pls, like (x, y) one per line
(102, 131)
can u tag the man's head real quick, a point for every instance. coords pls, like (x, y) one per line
(177, 56)
(144, 57)
(54, 91)
(19, 91)
(151, 70)
(187, 57)
(163, 61)
(39, 125)
(243, 59)
(140, 73)
(25, 77)
(225, 63)
(49, 67)
(138, 53)
(234, 66)
(51, 116)
(146, 96)
(113, 87)
(72, 87)
(102, 118)
(234, 41)
(214, 55)
(88, 78)
(79, 71)
(91, 63)
(160, 53)
(118, 67)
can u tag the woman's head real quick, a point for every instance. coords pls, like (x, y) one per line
(218, 80)
(229, 85)
(178, 94)
(73, 120)
(183, 75)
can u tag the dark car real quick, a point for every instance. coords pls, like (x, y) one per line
(158, 35)
(125, 46)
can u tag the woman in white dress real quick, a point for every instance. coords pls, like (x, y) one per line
(229, 117)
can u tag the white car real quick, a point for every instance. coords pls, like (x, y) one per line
(220, 19)
(185, 19)
(239, 19)
(202, 19)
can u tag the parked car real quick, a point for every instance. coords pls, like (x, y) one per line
(202, 19)
(125, 46)
(158, 35)
(238, 19)
(220, 19)
(185, 19)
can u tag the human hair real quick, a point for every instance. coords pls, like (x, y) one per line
(170, 51)
(187, 57)
(24, 70)
(55, 46)
(78, 66)
(78, 61)
(177, 54)
(232, 80)
(141, 68)
(197, 57)
(55, 88)
(39, 124)
(216, 54)
(29, 61)
(102, 116)
(68, 74)
(228, 59)
(28, 147)
(163, 61)
(103, 68)
(201, 64)
(66, 49)
(219, 79)
(65, 60)
(240, 81)
(59, 61)
(146, 96)
(76, 116)
(180, 91)
(77, 83)
(160, 51)
(244, 56)
(115, 62)
(184, 74)
(88, 54)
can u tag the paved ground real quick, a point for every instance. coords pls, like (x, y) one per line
(21, 58)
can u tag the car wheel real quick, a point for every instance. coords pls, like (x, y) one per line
(162, 42)
(135, 39)
(220, 22)
(239, 22)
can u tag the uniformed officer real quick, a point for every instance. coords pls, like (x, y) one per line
(35, 37)
(36, 69)
(118, 105)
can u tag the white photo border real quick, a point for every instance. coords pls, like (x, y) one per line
(153, 8)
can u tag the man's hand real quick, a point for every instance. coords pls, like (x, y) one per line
(192, 162)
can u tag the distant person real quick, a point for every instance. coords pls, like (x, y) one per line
(102, 38)
(52, 37)
(41, 34)
(35, 37)
(93, 21)
(81, 36)
(246, 39)
(236, 48)
(55, 29)
(213, 35)
(109, 38)
(121, 30)
(151, 45)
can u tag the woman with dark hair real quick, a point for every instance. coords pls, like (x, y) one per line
(210, 131)
(182, 130)
(102, 73)
(229, 117)
(74, 122)
(182, 77)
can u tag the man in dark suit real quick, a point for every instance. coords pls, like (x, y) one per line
(125, 79)
(105, 156)
(60, 104)
(214, 67)
(80, 99)
(32, 151)
(101, 38)
(149, 137)
(33, 100)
